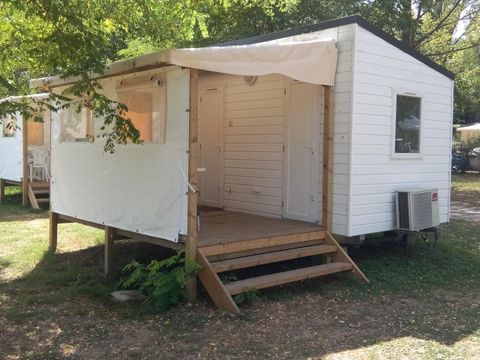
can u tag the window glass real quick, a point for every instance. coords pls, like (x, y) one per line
(146, 108)
(407, 124)
(9, 126)
(34, 132)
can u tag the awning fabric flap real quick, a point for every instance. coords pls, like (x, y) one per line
(312, 61)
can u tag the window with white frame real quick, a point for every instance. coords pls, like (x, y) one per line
(408, 121)
(145, 99)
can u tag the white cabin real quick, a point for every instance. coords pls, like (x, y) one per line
(25, 153)
(317, 126)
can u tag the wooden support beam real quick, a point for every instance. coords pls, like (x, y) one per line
(108, 254)
(342, 256)
(2, 191)
(149, 239)
(192, 236)
(327, 158)
(53, 231)
(32, 197)
(62, 219)
(214, 286)
(25, 167)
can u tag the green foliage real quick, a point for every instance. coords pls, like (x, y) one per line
(246, 297)
(162, 282)
(466, 146)
(79, 38)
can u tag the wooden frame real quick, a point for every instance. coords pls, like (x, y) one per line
(25, 169)
(192, 237)
(327, 158)
(111, 234)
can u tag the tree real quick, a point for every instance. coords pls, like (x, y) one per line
(78, 38)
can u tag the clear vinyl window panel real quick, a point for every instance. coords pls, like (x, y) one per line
(146, 107)
(76, 126)
(408, 124)
(9, 125)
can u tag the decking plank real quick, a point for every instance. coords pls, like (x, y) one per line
(266, 281)
(271, 257)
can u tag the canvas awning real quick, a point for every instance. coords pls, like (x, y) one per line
(311, 61)
(307, 59)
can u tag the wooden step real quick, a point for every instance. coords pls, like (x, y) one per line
(43, 200)
(266, 281)
(41, 191)
(239, 246)
(270, 249)
(271, 257)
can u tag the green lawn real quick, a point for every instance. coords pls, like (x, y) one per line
(420, 303)
(466, 182)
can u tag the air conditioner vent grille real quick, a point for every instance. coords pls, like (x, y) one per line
(417, 210)
(422, 207)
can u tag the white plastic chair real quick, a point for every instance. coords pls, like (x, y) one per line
(38, 163)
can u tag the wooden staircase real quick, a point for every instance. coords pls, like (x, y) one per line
(220, 258)
(38, 193)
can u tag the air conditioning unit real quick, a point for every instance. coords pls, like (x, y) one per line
(417, 210)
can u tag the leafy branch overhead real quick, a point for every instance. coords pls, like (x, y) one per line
(77, 38)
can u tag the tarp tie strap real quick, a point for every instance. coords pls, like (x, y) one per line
(190, 186)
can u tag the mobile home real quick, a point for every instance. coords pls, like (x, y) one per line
(284, 142)
(25, 154)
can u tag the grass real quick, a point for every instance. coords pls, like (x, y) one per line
(420, 303)
(466, 182)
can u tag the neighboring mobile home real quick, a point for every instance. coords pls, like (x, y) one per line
(25, 154)
(289, 137)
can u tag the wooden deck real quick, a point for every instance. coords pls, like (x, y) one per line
(223, 227)
(229, 241)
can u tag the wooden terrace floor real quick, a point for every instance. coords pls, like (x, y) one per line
(222, 227)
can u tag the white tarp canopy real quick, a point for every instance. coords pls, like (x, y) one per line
(312, 61)
(42, 96)
(304, 58)
(469, 132)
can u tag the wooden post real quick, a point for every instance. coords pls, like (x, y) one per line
(2, 190)
(53, 233)
(327, 158)
(191, 241)
(108, 255)
(25, 167)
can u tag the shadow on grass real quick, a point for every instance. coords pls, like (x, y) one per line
(73, 275)
(413, 293)
(11, 208)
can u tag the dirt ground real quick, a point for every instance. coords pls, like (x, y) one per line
(307, 321)
(465, 205)
(308, 326)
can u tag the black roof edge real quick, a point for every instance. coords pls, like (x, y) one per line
(355, 19)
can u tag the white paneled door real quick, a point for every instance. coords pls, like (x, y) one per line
(211, 120)
(302, 152)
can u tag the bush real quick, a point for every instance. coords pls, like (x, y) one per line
(162, 281)
(466, 146)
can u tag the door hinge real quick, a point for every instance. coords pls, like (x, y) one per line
(283, 148)
(285, 91)
(282, 204)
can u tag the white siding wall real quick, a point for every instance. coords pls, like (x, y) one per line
(381, 68)
(341, 128)
(254, 137)
(254, 121)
